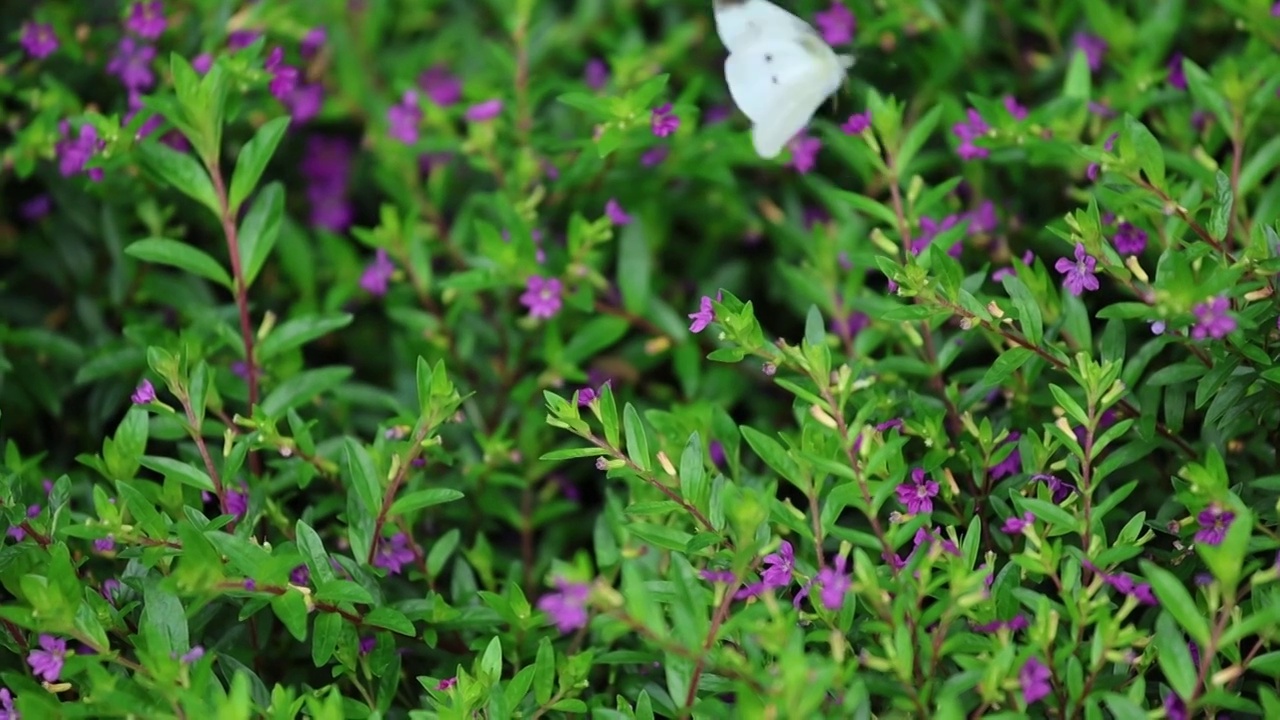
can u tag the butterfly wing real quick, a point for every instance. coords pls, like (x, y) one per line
(741, 22)
(779, 84)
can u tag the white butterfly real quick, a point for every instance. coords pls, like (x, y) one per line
(779, 69)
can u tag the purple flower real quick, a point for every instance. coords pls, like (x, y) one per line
(250, 585)
(110, 589)
(542, 296)
(367, 644)
(1129, 240)
(202, 62)
(484, 111)
(47, 662)
(779, 566)
(1012, 463)
(74, 153)
(701, 319)
(241, 39)
(1017, 111)
(1213, 319)
(394, 555)
(1177, 76)
(441, 86)
(850, 326)
(132, 64)
(857, 123)
(106, 544)
(313, 41)
(304, 102)
(1214, 523)
(917, 494)
(327, 167)
(1275, 9)
(717, 576)
(567, 608)
(144, 394)
(378, 274)
(804, 152)
(1093, 48)
(1034, 678)
(6, 705)
(404, 118)
(300, 575)
(1079, 274)
(1014, 525)
(37, 207)
(192, 655)
(1059, 489)
(146, 19)
(38, 40)
(835, 583)
(446, 684)
(237, 502)
(654, 156)
(662, 122)
(615, 213)
(1174, 708)
(596, 74)
(284, 78)
(836, 24)
(971, 129)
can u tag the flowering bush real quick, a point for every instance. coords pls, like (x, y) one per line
(415, 360)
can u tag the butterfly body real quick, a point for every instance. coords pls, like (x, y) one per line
(779, 70)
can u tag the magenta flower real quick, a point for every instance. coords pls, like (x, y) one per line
(237, 502)
(304, 102)
(132, 64)
(1175, 708)
(1093, 48)
(834, 583)
(654, 156)
(300, 575)
(284, 78)
(38, 39)
(1014, 525)
(47, 662)
(836, 24)
(857, 123)
(663, 122)
(394, 555)
(1011, 464)
(1213, 319)
(717, 576)
(441, 86)
(144, 394)
(146, 19)
(971, 129)
(327, 167)
(542, 296)
(1017, 111)
(484, 111)
(701, 319)
(7, 712)
(1214, 521)
(191, 655)
(74, 153)
(202, 63)
(804, 152)
(567, 608)
(241, 39)
(1177, 75)
(367, 643)
(917, 494)
(615, 213)
(1079, 274)
(106, 544)
(313, 41)
(377, 275)
(403, 119)
(1034, 678)
(779, 566)
(1129, 240)
(586, 396)
(446, 684)
(596, 74)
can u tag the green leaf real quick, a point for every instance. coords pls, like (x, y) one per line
(1028, 308)
(1005, 365)
(635, 266)
(259, 230)
(182, 472)
(1049, 512)
(1178, 602)
(544, 675)
(637, 439)
(1220, 218)
(182, 172)
(313, 552)
(324, 638)
(595, 335)
(291, 608)
(1145, 149)
(164, 621)
(301, 388)
(299, 331)
(1078, 82)
(163, 251)
(393, 620)
(773, 454)
(1174, 656)
(1205, 93)
(334, 591)
(363, 476)
(424, 499)
(574, 453)
(693, 474)
(254, 157)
